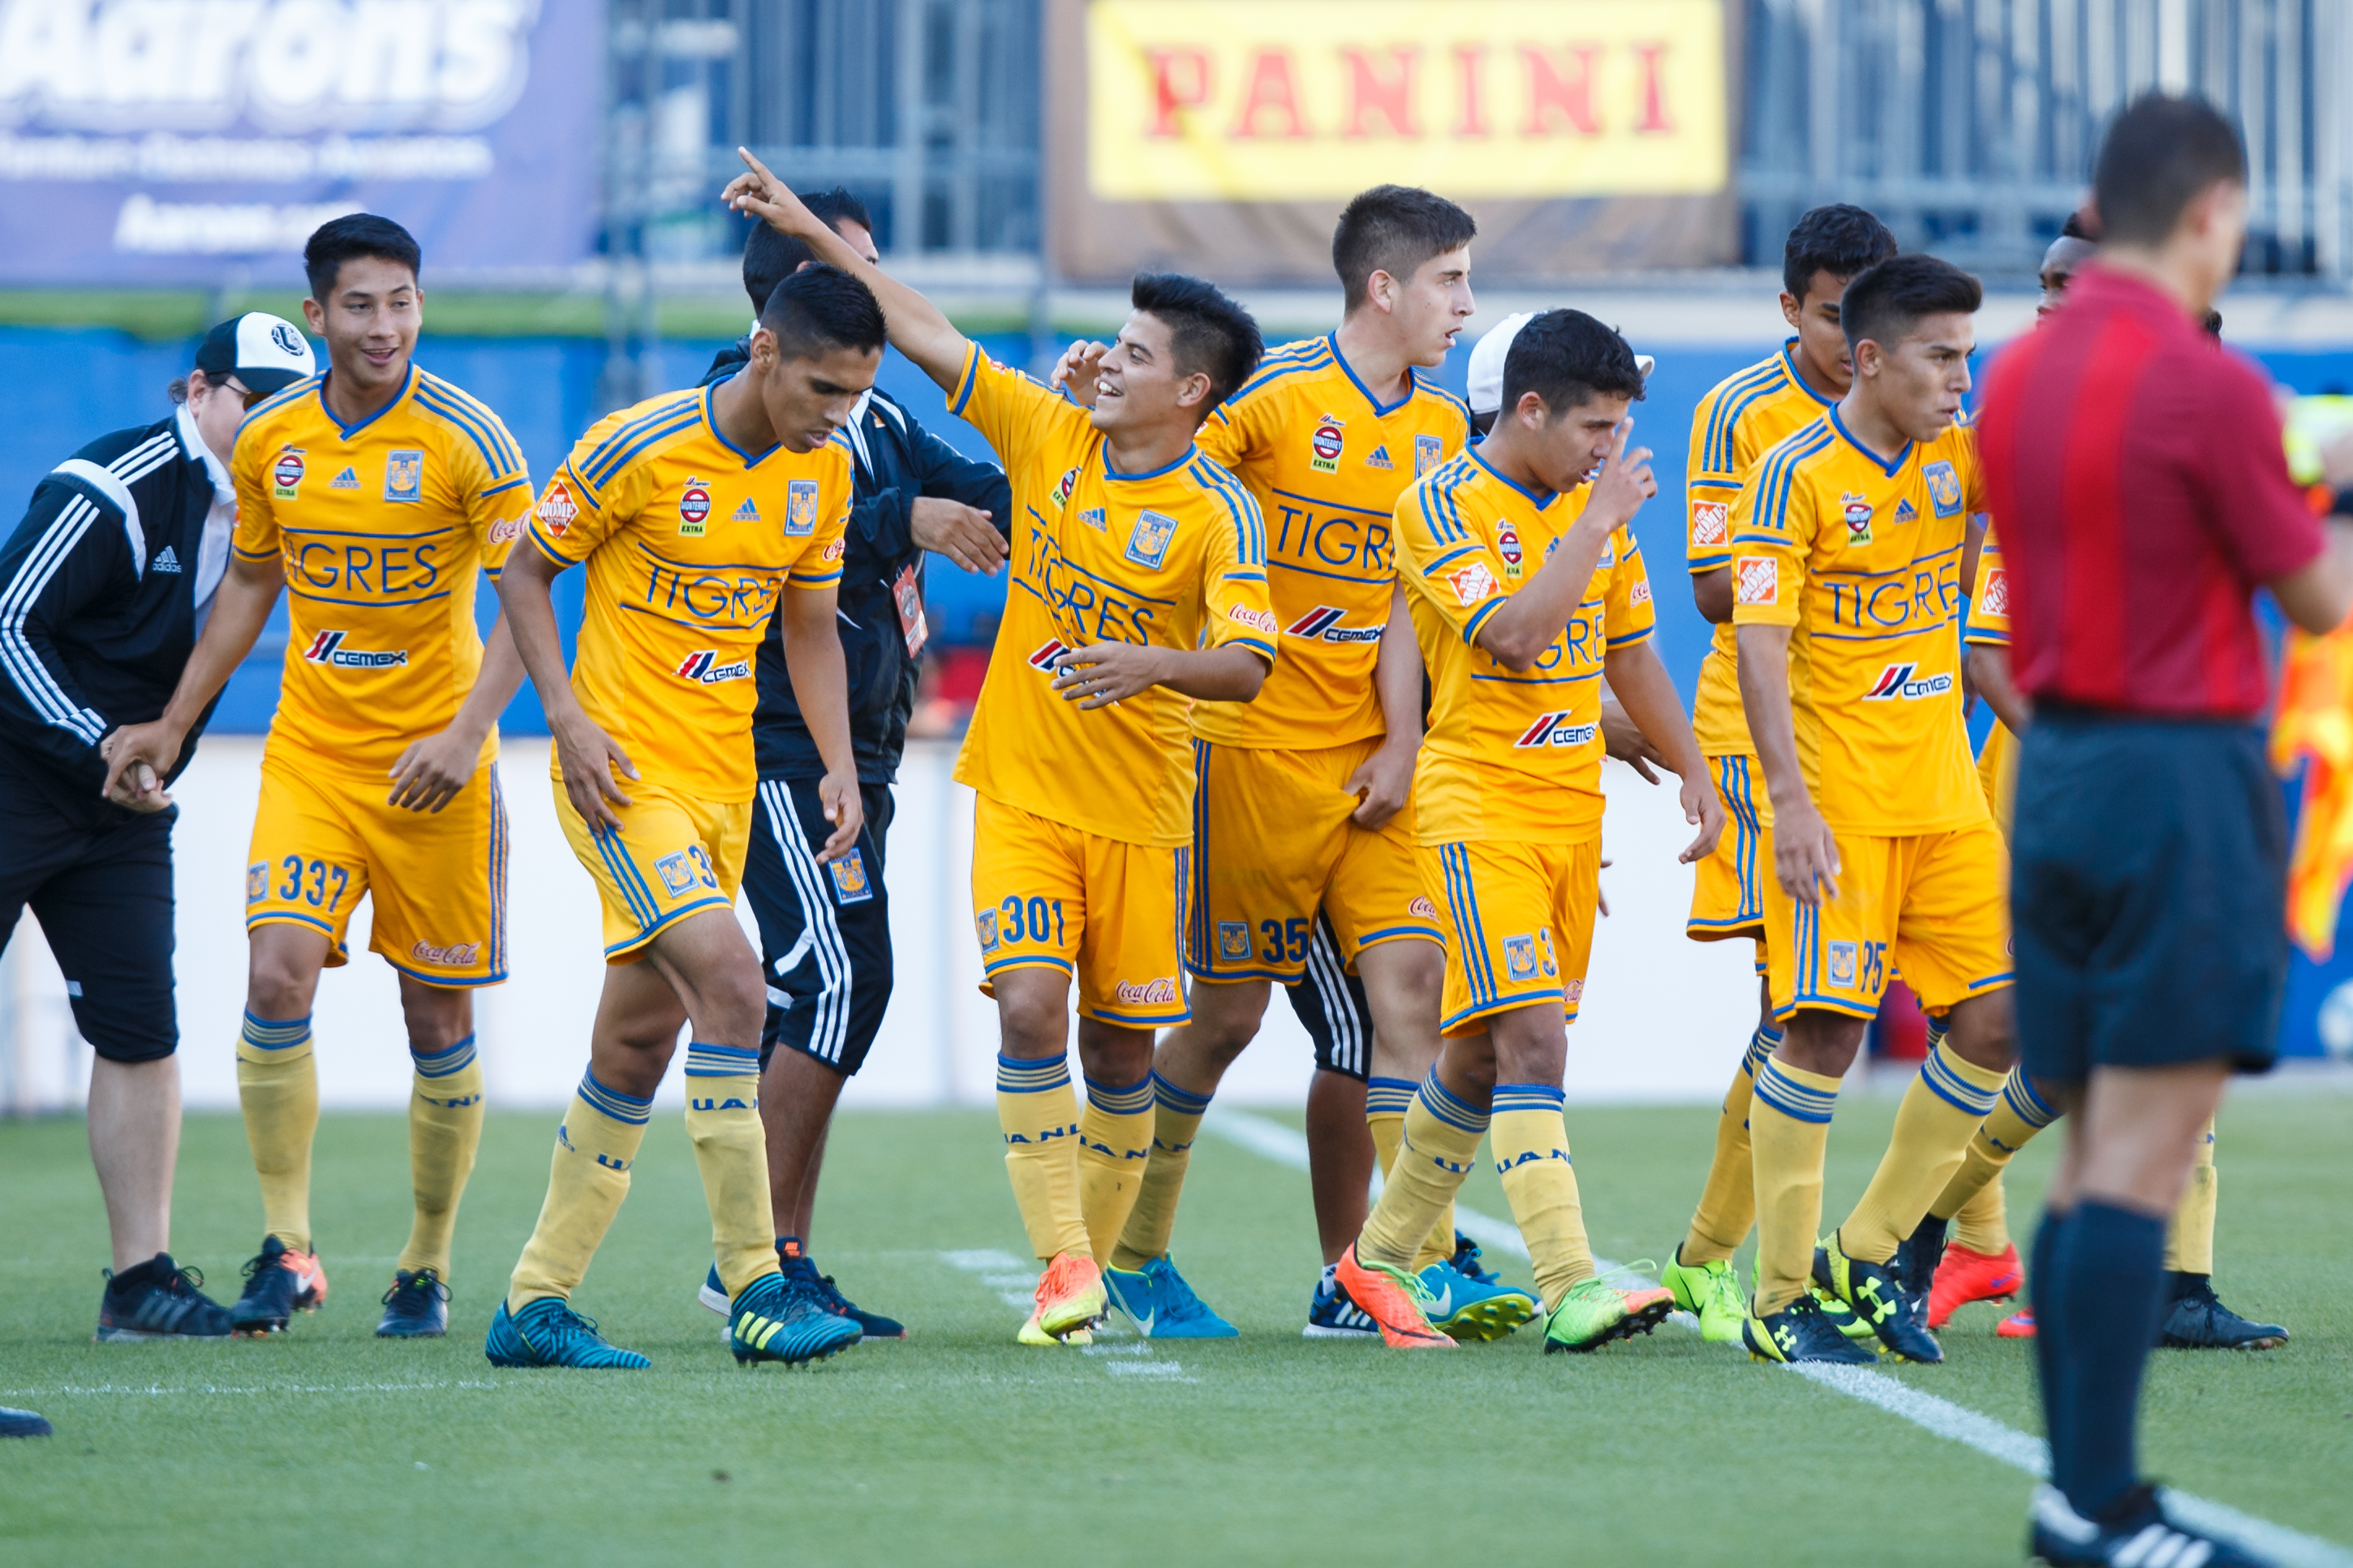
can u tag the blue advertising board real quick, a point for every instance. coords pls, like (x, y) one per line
(176, 142)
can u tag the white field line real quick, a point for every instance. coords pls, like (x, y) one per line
(1015, 1282)
(209, 1389)
(1941, 1417)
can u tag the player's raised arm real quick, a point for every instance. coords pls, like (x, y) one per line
(918, 330)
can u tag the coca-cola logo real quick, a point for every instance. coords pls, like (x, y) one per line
(1150, 992)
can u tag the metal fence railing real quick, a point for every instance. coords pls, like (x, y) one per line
(1970, 125)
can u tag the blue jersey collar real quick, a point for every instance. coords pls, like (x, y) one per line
(1888, 465)
(407, 385)
(1539, 501)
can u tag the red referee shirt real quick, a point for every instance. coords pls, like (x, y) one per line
(2134, 468)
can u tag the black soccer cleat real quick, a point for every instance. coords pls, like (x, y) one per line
(2196, 1319)
(415, 1307)
(1800, 1331)
(801, 1271)
(1898, 1318)
(1917, 1256)
(158, 1299)
(24, 1423)
(2133, 1533)
(280, 1282)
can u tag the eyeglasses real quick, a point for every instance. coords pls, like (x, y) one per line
(239, 391)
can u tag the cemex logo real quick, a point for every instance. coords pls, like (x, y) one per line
(328, 649)
(1554, 729)
(1322, 623)
(1898, 682)
(703, 667)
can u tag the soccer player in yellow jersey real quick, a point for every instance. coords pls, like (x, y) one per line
(698, 515)
(1526, 589)
(374, 494)
(1741, 416)
(1138, 588)
(1849, 543)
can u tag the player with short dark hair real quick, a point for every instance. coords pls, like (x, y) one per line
(770, 257)
(1139, 589)
(698, 516)
(2143, 497)
(374, 494)
(1527, 589)
(1394, 231)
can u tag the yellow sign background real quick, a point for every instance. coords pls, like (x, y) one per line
(1288, 100)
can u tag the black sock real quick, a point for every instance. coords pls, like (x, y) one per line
(2112, 1266)
(2050, 1333)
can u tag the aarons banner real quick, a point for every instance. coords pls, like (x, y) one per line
(196, 141)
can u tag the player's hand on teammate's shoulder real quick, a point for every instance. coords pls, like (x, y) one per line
(1623, 739)
(1624, 483)
(431, 772)
(1805, 852)
(846, 809)
(1101, 673)
(137, 756)
(589, 759)
(1382, 781)
(1074, 375)
(964, 534)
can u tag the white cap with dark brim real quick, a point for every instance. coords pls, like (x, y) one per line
(266, 352)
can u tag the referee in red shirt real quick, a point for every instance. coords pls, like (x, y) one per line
(2134, 470)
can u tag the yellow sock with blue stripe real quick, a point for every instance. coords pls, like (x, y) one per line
(1387, 1100)
(1176, 1122)
(2189, 1235)
(1441, 1138)
(595, 1144)
(1530, 1136)
(1116, 1137)
(1788, 1130)
(1040, 1117)
(1947, 1101)
(278, 1086)
(1727, 1203)
(722, 1121)
(445, 1127)
(1973, 1199)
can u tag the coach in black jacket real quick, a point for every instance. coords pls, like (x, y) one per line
(825, 930)
(103, 588)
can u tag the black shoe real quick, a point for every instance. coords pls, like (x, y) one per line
(800, 1272)
(157, 1300)
(1465, 1261)
(2196, 1320)
(1898, 1318)
(1917, 1257)
(279, 1282)
(1802, 1331)
(23, 1424)
(415, 1307)
(2134, 1531)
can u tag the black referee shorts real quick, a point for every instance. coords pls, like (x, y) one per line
(1330, 1002)
(2149, 867)
(825, 929)
(102, 892)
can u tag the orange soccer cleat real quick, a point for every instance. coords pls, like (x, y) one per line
(1965, 1277)
(1069, 1298)
(2018, 1325)
(1394, 1298)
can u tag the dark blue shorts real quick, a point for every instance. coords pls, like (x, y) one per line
(2148, 893)
(102, 889)
(825, 930)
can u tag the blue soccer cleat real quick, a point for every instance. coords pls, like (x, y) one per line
(1331, 1315)
(1465, 1261)
(713, 1293)
(779, 1319)
(415, 1307)
(1157, 1299)
(24, 1423)
(1468, 1307)
(548, 1332)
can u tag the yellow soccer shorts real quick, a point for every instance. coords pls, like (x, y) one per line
(323, 840)
(1997, 773)
(1934, 907)
(1272, 843)
(1520, 926)
(1045, 895)
(673, 856)
(1728, 895)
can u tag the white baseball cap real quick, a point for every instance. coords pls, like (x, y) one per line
(1485, 388)
(266, 352)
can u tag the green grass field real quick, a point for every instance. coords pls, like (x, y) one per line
(325, 1445)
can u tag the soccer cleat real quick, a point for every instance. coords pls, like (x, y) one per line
(1070, 1296)
(415, 1307)
(1710, 1292)
(24, 1423)
(1031, 1334)
(779, 1318)
(1802, 1331)
(712, 1293)
(1590, 1314)
(1465, 1261)
(1965, 1277)
(280, 1282)
(1918, 1255)
(1157, 1299)
(548, 1332)
(158, 1299)
(1394, 1298)
(1840, 1316)
(2017, 1326)
(2196, 1320)
(2133, 1534)
(1331, 1315)
(1871, 1289)
(1462, 1307)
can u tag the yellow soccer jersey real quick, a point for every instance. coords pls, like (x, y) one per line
(1863, 558)
(1510, 755)
(1326, 464)
(689, 540)
(1742, 416)
(1176, 558)
(383, 527)
(1990, 597)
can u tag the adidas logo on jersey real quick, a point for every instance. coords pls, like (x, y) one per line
(328, 649)
(705, 669)
(167, 562)
(1379, 458)
(349, 479)
(1899, 682)
(747, 512)
(1554, 729)
(1323, 624)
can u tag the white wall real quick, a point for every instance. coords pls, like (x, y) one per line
(1663, 1018)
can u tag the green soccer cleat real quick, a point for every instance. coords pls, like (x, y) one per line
(1710, 1292)
(1800, 1333)
(548, 1332)
(1591, 1314)
(1898, 1318)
